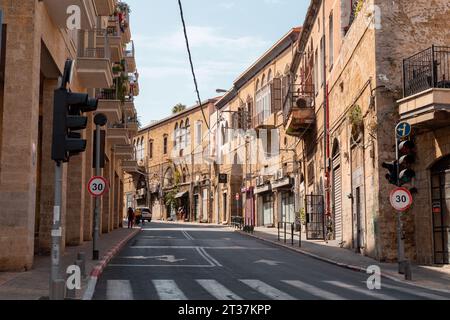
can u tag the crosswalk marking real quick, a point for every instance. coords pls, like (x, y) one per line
(168, 290)
(415, 293)
(217, 290)
(366, 292)
(119, 290)
(320, 293)
(267, 290)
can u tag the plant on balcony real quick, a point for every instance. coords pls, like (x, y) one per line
(122, 11)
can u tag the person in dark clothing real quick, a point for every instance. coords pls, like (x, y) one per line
(130, 218)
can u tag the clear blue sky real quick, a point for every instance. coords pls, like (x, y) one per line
(226, 37)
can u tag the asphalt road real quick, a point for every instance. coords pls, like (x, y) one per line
(184, 262)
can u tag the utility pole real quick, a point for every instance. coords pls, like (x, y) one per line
(100, 120)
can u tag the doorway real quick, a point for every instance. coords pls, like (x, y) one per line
(440, 191)
(337, 193)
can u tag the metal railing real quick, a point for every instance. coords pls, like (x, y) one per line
(299, 96)
(427, 69)
(106, 94)
(291, 229)
(100, 53)
(237, 222)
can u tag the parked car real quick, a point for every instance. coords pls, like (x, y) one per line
(144, 214)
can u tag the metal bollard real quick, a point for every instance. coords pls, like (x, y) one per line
(292, 233)
(408, 271)
(58, 289)
(82, 257)
(278, 231)
(285, 226)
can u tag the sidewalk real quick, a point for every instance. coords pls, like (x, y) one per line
(429, 277)
(34, 284)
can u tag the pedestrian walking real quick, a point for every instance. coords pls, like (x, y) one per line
(130, 218)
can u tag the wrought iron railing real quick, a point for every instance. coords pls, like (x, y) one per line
(299, 97)
(101, 53)
(427, 69)
(107, 94)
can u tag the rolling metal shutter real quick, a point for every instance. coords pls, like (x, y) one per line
(337, 198)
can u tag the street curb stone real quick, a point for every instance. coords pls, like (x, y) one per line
(340, 264)
(100, 267)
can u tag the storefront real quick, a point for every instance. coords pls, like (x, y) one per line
(286, 199)
(265, 205)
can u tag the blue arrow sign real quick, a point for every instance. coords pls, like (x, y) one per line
(403, 130)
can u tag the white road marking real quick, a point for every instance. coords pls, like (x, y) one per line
(313, 290)
(367, 292)
(206, 256)
(268, 291)
(269, 262)
(188, 229)
(168, 258)
(187, 235)
(217, 290)
(159, 266)
(415, 293)
(209, 248)
(119, 290)
(168, 290)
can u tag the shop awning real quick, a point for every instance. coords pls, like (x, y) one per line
(181, 194)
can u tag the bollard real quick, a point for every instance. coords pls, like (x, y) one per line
(58, 289)
(408, 271)
(292, 233)
(300, 237)
(279, 231)
(82, 257)
(285, 226)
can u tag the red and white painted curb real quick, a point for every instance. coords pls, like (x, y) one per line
(343, 265)
(100, 267)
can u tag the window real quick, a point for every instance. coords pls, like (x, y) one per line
(187, 139)
(322, 60)
(150, 149)
(331, 40)
(263, 81)
(198, 133)
(263, 103)
(175, 136)
(181, 134)
(140, 149)
(257, 85)
(269, 76)
(165, 144)
(316, 72)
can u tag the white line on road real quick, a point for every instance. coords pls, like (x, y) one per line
(119, 290)
(206, 256)
(187, 235)
(268, 291)
(415, 293)
(217, 290)
(159, 266)
(195, 247)
(168, 290)
(366, 292)
(313, 290)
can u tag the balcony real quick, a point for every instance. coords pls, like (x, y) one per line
(57, 10)
(109, 104)
(129, 108)
(426, 101)
(94, 68)
(130, 58)
(124, 152)
(132, 124)
(299, 112)
(118, 135)
(265, 120)
(130, 166)
(110, 38)
(105, 7)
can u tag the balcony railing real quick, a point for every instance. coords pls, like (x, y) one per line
(106, 94)
(427, 69)
(100, 53)
(299, 96)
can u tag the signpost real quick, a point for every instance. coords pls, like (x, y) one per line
(401, 199)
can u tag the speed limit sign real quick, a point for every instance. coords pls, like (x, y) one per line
(98, 186)
(401, 199)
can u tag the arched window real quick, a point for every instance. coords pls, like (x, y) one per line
(188, 133)
(263, 81)
(269, 76)
(257, 85)
(135, 148)
(181, 134)
(175, 135)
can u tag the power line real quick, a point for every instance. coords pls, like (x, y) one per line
(191, 63)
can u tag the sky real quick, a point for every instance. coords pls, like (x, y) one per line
(226, 37)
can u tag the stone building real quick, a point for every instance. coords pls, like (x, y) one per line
(173, 170)
(251, 148)
(36, 41)
(347, 76)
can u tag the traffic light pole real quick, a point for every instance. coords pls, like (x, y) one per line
(56, 282)
(95, 251)
(403, 264)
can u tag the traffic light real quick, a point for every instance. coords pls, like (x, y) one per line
(407, 157)
(393, 171)
(67, 121)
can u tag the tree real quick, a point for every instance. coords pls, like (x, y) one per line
(178, 108)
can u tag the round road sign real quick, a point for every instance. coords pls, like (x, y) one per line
(98, 186)
(401, 199)
(403, 130)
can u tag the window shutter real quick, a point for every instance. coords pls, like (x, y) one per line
(276, 95)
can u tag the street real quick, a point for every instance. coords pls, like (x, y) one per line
(193, 262)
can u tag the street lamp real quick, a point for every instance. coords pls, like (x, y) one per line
(221, 91)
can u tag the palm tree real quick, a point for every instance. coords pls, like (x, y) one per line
(178, 108)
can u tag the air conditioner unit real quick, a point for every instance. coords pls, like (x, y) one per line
(280, 174)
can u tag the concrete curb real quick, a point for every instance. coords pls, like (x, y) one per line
(100, 267)
(340, 264)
